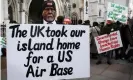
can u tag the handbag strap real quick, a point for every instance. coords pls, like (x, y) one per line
(97, 30)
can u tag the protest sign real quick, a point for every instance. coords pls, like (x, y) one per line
(2, 44)
(117, 12)
(108, 42)
(47, 52)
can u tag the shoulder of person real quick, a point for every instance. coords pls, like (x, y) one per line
(39, 22)
(97, 26)
(91, 29)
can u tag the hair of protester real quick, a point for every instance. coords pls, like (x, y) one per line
(86, 22)
(118, 22)
(102, 23)
(79, 21)
(60, 19)
(95, 24)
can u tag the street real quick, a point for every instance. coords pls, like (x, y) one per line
(119, 70)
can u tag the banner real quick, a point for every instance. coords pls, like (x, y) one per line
(47, 52)
(117, 12)
(109, 42)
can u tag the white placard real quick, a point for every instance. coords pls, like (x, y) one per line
(108, 42)
(37, 48)
(117, 12)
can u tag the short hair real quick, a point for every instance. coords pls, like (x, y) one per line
(80, 21)
(60, 19)
(95, 24)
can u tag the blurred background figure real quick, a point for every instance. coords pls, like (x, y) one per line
(86, 22)
(95, 31)
(67, 21)
(80, 22)
(60, 20)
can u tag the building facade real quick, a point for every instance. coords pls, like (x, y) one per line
(73, 9)
(28, 11)
(24, 11)
(97, 10)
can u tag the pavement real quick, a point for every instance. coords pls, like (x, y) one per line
(119, 70)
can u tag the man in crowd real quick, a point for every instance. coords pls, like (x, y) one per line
(110, 27)
(49, 12)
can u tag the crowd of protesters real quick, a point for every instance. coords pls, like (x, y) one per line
(126, 32)
(97, 29)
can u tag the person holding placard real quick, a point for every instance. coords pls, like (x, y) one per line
(110, 27)
(48, 13)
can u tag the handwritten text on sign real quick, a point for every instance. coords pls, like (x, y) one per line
(117, 12)
(47, 52)
(108, 42)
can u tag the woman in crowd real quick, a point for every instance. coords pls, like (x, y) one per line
(95, 31)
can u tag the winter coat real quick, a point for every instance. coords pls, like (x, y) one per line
(95, 31)
(126, 35)
(109, 28)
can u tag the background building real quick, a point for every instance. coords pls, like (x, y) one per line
(97, 10)
(28, 11)
(24, 11)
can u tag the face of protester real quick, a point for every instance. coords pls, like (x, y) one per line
(109, 22)
(49, 14)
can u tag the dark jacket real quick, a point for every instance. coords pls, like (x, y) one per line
(126, 35)
(109, 28)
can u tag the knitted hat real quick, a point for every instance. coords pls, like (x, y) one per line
(49, 3)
